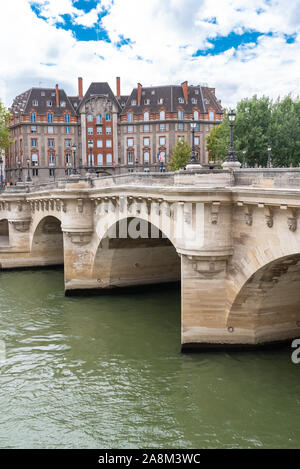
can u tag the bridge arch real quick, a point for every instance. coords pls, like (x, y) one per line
(267, 306)
(132, 251)
(47, 240)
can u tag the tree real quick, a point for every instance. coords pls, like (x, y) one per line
(217, 142)
(181, 155)
(5, 140)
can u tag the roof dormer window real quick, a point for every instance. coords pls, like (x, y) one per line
(196, 91)
(133, 102)
(161, 101)
(147, 102)
(42, 93)
(35, 102)
(153, 92)
(181, 100)
(194, 100)
(63, 103)
(49, 103)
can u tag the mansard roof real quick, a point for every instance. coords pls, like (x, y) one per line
(100, 89)
(168, 97)
(24, 102)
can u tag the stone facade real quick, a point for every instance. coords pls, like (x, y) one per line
(113, 134)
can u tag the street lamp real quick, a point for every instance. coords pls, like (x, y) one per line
(28, 179)
(19, 171)
(244, 158)
(91, 169)
(74, 171)
(231, 156)
(1, 171)
(194, 157)
(269, 156)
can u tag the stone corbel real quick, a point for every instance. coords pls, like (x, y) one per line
(80, 238)
(7, 206)
(248, 215)
(64, 206)
(52, 204)
(47, 205)
(58, 205)
(215, 209)
(20, 205)
(209, 267)
(21, 225)
(268, 211)
(292, 219)
(80, 205)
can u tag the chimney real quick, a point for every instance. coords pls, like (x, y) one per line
(139, 94)
(80, 88)
(57, 96)
(118, 87)
(185, 91)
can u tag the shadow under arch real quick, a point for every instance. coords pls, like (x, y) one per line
(268, 304)
(4, 232)
(47, 242)
(134, 253)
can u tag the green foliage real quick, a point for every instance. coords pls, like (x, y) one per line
(5, 140)
(181, 155)
(259, 121)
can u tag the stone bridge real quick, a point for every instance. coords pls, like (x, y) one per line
(230, 237)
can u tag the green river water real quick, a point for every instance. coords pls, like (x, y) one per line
(107, 372)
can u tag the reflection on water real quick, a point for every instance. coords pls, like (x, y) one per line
(103, 372)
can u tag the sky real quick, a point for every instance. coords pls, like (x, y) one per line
(240, 47)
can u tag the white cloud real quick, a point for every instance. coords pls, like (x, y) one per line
(165, 34)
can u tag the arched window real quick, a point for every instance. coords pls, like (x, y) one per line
(99, 118)
(67, 117)
(51, 158)
(109, 158)
(108, 117)
(50, 117)
(99, 159)
(162, 115)
(180, 114)
(162, 156)
(146, 116)
(130, 117)
(196, 115)
(32, 117)
(90, 118)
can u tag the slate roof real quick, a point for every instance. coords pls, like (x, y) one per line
(24, 102)
(170, 96)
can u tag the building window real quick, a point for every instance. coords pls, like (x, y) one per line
(34, 159)
(67, 117)
(35, 172)
(50, 129)
(90, 118)
(147, 102)
(197, 128)
(33, 129)
(130, 170)
(67, 129)
(162, 127)
(196, 92)
(90, 142)
(180, 127)
(181, 100)
(51, 172)
(49, 103)
(34, 142)
(50, 117)
(63, 103)
(35, 103)
(130, 157)
(161, 101)
(108, 117)
(99, 159)
(162, 141)
(194, 100)
(99, 143)
(90, 131)
(68, 159)
(130, 142)
(68, 142)
(146, 141)
(180, 114)
(146, 116)
(196, 140)
(99, 119)
(162, 156)
(211, 115)
(32, 117)
(130, 129)
(50, 142)
(146, 157)
(51, 159)
(109, 158)
(130, 117)
(133, 102)
(162, 115)
(180, 139)
(108, 143)
(146, 128)
(99, 130)
(42, 93)
(196, 115)
(108, 130)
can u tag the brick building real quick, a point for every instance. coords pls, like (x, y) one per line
(104, 132)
